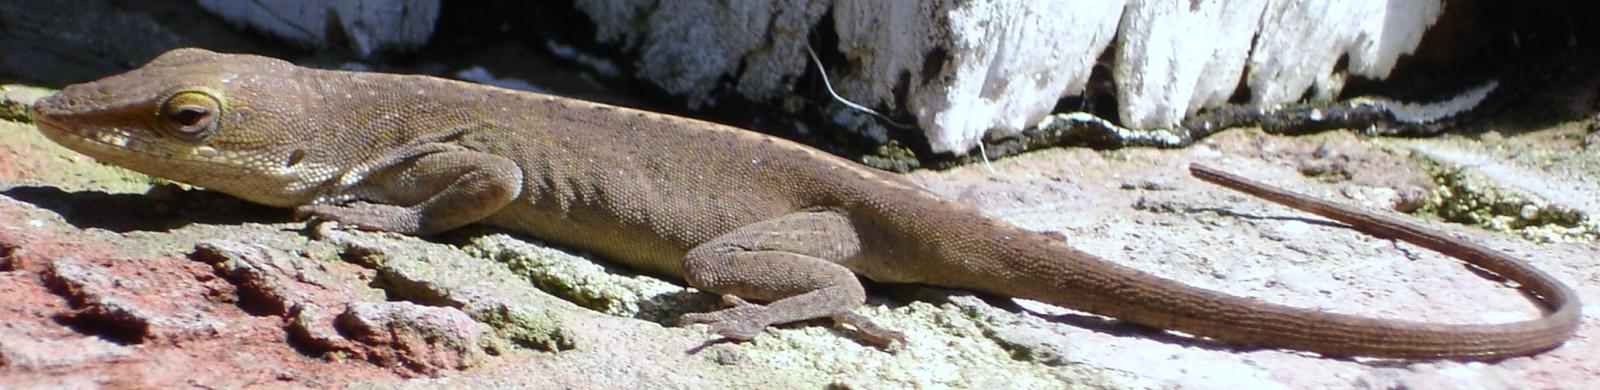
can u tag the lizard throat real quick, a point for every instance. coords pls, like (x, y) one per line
(278, 184)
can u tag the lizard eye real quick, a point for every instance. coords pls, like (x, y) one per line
(190, 116)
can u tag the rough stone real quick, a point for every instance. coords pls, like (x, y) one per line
(121, 307)
(442, 275)
(421, 339)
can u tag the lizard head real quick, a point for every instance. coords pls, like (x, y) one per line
(213, 120)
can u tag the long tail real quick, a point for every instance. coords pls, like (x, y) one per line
(1053, 272)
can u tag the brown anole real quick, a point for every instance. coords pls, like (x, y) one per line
(730, 211)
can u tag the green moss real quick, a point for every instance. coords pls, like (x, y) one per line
(1464, 199)
(533, 329)
(16, 99)
(892, 156)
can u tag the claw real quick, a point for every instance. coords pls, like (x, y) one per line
(871, 332)
(741, 321)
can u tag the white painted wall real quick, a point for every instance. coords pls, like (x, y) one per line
(1005, 63)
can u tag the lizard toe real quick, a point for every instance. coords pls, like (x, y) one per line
(361, 215)
(742, 330)
(869, 331)
(742, 321)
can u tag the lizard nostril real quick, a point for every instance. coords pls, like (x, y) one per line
(295, 158)
(45, 107)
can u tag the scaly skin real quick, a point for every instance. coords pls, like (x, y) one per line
(730, 211)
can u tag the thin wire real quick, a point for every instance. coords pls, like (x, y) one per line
(985, 155)
(847, 103)
(841, 99)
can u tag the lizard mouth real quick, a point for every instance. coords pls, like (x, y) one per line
(95, 141)
(114, 142)
(90, 140)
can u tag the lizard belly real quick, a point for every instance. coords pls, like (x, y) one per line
(635, 246)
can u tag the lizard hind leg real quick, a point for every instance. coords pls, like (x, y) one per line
(792, 263)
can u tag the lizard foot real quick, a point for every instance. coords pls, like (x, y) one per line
(742, 321)
(362, 215)
(869, 331)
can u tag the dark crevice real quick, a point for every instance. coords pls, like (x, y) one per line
(250, 295)
(1099, 96)
(933, 64)
(95, 320)
(395, 289)
(116, 329)
(306, 345)
(9, 256)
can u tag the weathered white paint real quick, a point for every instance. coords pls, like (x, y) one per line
(1000, 64)
(1003, 64)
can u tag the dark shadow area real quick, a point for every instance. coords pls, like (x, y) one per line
(250, 296)
(1226, 212)
(305, 345)
(164, 208)
(1099, 95)
(1543, 57)
(118, 327)
(120, 330)
(520, 41)
(712, 341)
(55, 43)
(1090, 322)
(1118, 328)
(8, 256)
(654, 309)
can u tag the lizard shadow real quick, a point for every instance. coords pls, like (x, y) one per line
(162, 208)
(902, 293)
(1255, 217)
(665, 308)
(662, 308)
(1118, 328)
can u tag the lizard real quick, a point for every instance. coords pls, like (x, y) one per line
(780, 230)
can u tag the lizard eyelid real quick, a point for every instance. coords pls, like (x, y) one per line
(191, 116)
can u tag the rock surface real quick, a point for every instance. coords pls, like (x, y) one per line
(144, 284)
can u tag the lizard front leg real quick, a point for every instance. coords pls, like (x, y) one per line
(433, 189)
(790, 261)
